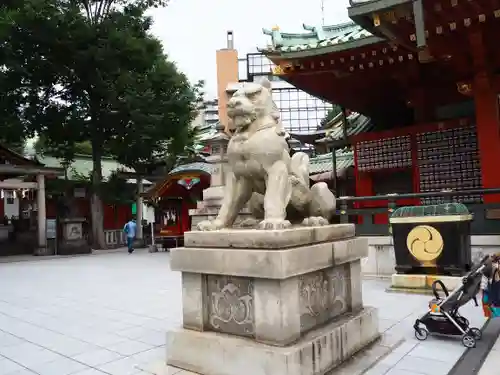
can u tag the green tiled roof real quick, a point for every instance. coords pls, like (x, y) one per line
(334, 130)
(357, 123)
(323, 163)
(197, 166)
(83, 166)
(318, 164)
(318, 37)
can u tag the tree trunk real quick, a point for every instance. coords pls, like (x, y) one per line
(95, 202)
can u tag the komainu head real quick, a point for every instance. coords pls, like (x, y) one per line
(251, 102)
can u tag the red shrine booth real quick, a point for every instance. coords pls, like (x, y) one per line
(175, 196)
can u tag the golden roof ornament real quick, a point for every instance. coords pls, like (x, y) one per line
(278, 70)
(464, 88)
(282, 69)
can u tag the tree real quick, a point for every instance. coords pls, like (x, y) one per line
(330, 115)
(161, 108)
(18, 145)
(80, 148)
(86, 70)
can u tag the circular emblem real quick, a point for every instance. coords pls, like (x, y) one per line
(425, 243)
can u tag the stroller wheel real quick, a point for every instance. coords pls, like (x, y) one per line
(476, 332)
(469, 341)
(421, 334)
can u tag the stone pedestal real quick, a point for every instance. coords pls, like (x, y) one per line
(284, 302)
(423, 283)
(72, 241)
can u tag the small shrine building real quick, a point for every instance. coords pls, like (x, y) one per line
(23, 203)
(176, 194)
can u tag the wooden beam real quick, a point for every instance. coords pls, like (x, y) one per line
(25, 170)
(18, 185)
(367, 8)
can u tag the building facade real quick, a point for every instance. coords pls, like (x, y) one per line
(430, 87)
(300, 111)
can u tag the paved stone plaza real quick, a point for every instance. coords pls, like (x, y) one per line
(108, 314)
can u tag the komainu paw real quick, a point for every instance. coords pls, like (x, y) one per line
(274, 224)
(210, 225)
(249, 223)
(314, 221)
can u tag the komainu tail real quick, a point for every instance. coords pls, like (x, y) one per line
(300, 167)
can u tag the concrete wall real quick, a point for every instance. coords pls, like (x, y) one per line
(381, 260)
(227, 73)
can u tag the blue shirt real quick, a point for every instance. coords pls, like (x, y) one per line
(130, 228)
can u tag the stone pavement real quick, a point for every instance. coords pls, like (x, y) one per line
(491, 365)
(108, 314)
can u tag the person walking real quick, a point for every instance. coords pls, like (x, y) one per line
(490, 288)
(130, 229)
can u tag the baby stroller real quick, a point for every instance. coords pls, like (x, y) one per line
(443, 317)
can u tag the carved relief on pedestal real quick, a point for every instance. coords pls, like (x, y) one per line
(230, 305)
(314, 294)
(323, 295)
(340, 277)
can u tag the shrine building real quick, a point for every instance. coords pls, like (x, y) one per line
(427, 75)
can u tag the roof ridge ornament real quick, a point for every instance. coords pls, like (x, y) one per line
(276, 37)
(318, 30)
(278, 70)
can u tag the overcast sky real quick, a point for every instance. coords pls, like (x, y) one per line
(192, 30)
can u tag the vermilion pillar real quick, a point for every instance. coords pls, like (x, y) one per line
(487, 121)
(488, 133)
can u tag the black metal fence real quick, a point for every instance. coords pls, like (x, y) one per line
(486, 216)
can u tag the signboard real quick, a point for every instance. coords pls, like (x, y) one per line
(51, 229)
(79, 193)
(134, 208)
(74, 231)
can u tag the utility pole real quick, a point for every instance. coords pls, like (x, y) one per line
(322, 12)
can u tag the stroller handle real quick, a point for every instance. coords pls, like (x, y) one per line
(478, 267)
(443, 287)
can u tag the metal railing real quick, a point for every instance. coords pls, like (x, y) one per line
(485, 222)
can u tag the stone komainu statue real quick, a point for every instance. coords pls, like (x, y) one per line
(261, 173)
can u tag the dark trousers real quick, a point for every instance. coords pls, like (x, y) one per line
(130, 243)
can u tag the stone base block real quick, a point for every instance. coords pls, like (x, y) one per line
(423, 283)
(43, 251)
(210, 213)
(74, 247)
(267, 263)
(268, 239)
(316, 353)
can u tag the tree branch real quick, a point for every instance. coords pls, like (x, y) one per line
(88, 9)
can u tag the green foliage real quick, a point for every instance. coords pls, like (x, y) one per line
(77, 71)
(334, 111)
(80, 148)
(17, 145)
(80, 71)
(117, 191)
